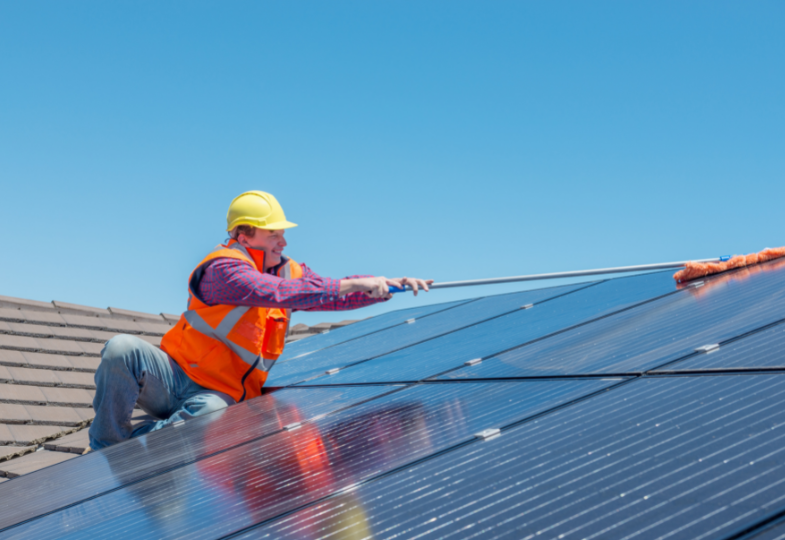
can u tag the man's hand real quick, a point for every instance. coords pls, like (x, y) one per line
(379, 287)
(415, 284)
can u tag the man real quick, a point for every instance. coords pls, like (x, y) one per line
(219, 353)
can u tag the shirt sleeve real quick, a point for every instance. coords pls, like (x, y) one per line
(236, 283)
(349, 301)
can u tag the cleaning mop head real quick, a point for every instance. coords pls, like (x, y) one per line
(693, 270)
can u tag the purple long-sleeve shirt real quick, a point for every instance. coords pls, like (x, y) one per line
(236, 283)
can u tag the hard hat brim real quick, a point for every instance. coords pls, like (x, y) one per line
(277, 226)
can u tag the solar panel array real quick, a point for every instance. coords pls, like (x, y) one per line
(623, 408)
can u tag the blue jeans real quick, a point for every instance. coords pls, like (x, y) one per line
(133, 372)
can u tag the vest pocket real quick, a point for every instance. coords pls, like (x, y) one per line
(274, 337)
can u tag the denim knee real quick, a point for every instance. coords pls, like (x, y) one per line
(119, 348)
(213, 401)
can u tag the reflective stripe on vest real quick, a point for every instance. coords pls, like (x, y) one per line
(221, 333)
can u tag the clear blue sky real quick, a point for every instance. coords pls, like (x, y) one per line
(442, 139)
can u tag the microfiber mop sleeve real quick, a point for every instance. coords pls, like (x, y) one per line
(693, 270)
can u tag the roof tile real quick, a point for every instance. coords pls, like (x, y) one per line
(8, 452)
(14, 414)
(102, 323)
(33, 462)
(43, 317)
(18, 342)
(56, 416)
(92, 348)
(27, 434)
(44, 360)
(60, 345)
(75, 442)
(21, 393)
(12, 358)
(66, 396)
(22, 375)
(154, 328)
(15, 302)
(75, 378)
(135, 314)
(85, 362)
(65, 306)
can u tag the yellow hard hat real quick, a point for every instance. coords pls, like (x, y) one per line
(259, 209)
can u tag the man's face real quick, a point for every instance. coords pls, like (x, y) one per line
(271, 242)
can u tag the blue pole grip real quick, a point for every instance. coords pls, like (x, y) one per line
(394, 289)
(726, 258)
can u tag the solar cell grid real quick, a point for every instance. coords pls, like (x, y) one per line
(254, 482)
(762, 350)
(397, 337)
(98, 472)
(361, 328)
(671, 457)
(652, 334)
(481, 340)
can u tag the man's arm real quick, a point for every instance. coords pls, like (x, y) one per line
(237, 283)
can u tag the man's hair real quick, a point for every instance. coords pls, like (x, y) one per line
(247, 230)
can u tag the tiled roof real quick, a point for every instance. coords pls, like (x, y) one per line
(48, 355)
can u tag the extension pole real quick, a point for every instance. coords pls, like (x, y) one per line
(556, 275)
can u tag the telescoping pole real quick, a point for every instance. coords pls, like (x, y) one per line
(556, 275)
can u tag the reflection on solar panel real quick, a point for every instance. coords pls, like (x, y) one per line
(668, 457)
(251, 482)
(596, 443)
(114, 467)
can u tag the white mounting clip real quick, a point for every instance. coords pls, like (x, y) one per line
(527, 306)
(698, 284)
(333, 371)
(708, 348)
(488, 434)
(410, 321)
(178, 423)
(292, 427)
(472, 362)
(325, 331)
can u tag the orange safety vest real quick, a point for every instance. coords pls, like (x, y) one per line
(230, 348)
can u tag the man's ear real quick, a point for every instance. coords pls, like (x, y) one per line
(242, 240)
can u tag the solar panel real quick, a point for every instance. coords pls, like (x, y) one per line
(481, 340)
(361, 328)
(761, 350)
(99, 472)
(417, 330)
(650, 335)
(260, 480)
(669, 457)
